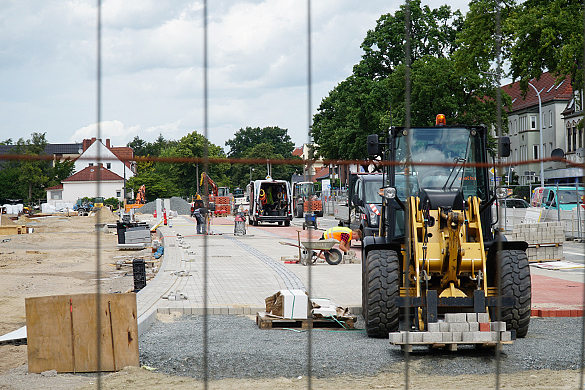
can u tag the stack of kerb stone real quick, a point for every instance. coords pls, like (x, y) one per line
(544, 240)
(460, 328)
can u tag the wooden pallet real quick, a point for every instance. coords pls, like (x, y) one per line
(451, 345)
(266, 322)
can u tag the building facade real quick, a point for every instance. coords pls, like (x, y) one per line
(525, 125)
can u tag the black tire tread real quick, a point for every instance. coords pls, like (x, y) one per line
(515, 279)
(381, 287)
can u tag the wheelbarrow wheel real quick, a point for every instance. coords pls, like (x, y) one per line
(334, 256)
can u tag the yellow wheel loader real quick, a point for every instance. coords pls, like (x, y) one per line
(437, 250)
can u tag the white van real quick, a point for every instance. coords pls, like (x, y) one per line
(270, 201)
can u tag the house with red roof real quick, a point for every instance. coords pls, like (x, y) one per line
(112, 166)
(524, 126)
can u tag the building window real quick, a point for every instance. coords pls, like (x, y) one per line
(91, 164)
(569, 139)
(535, 151)
(57, 195)
(109, 165)
(543, 119)
(550, 118)
(532, 122)
(118, 194)
(574, 138)
(515, 127)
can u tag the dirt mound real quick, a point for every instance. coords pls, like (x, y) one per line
(105, 215)
(6, 220)
(23, 219)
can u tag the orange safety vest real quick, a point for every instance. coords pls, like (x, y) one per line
(336, 232)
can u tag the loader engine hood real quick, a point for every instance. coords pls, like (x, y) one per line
(452, 199)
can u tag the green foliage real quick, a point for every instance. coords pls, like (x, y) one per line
(433, 32)
(546, 35)
(143, 148)
(373, 97)
(246, 139)
(156, 184)
(271, 143)
(113, 202)
(240, 173)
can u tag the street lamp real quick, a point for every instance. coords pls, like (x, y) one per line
(541, 152)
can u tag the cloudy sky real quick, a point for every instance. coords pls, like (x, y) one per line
(152, 57)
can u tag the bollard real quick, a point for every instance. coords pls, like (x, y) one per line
(239, 225)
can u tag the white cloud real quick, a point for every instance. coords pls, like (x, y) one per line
(152, 58)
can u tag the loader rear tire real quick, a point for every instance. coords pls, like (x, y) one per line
(515, 279)
(381, 286)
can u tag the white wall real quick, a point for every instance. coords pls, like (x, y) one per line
(106, 157)
(75, 190)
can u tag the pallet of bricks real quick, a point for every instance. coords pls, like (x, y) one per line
(222, 206)
(545, 240)
(456, 329)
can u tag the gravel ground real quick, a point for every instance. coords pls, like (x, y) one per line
(239, 349)
(181, 206)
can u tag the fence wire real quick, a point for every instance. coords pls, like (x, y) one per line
(207, 161)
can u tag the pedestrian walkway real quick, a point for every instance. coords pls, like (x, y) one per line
(239, 271)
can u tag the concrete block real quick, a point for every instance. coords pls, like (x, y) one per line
(498, 326)
(443, 327)
(447, 336)
(467, 337)
(457, 336)
(236, 310)
(483, 317)
(455, 317)
(395, 337)
(505, 336)
(471, 317)
(414, 337)
(432, 337)
(459, 327)
(474, 326)
(477, 337)
(433, 327)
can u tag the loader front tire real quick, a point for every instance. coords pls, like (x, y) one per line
(515, 279)
(381, 286)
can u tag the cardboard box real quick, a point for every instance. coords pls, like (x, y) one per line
(295, 304)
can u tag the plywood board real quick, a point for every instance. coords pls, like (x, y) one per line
(118, 333)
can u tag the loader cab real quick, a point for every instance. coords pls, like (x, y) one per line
(441, 173)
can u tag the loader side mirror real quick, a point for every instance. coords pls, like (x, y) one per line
(356, 200)
(504, 146)
(373, 145)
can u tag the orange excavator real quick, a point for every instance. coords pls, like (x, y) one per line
(139, 202)
(219, 204)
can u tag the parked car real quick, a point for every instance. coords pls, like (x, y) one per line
(514, 203)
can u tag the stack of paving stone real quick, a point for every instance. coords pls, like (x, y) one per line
(544, 240)
(457, 328)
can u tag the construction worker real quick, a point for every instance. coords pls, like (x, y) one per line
(344, 235)
(200, 214)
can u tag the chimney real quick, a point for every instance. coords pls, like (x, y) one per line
(107, 143)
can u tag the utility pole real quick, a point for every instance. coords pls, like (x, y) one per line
(541, 151)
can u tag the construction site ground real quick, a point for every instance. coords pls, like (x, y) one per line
(59, 257)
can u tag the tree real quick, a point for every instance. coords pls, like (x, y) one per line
(355, 108)
(185, 174)
(547, 35)
(241, 172)
(373, 97)
(433, 32)
(246, 139)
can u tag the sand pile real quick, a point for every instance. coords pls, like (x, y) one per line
(105, 215)
(6, 220)
(23, 220)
